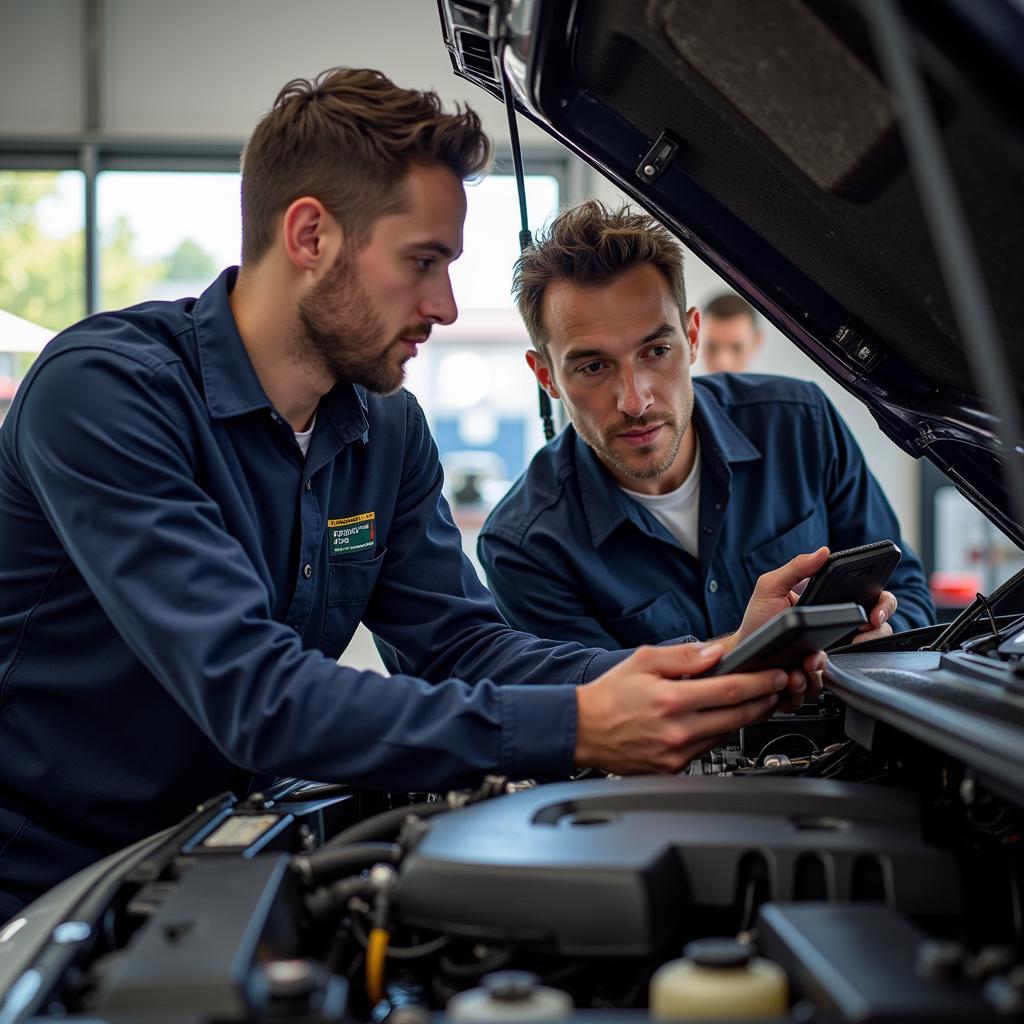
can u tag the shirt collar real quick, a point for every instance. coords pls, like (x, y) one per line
(722, 442)
(230, 382)
(604, 503)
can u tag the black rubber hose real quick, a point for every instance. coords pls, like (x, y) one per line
(327, 864)
(383, 827)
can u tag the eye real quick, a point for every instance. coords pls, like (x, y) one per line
(424, 263)
(659, 351)
(590, 369)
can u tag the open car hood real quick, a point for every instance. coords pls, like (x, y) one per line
(765, 137)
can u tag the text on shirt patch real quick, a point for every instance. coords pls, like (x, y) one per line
(355, 533)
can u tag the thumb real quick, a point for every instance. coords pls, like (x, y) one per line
(779, 582)
(678, 660)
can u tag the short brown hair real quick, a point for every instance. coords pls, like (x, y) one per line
(348, 138)
(727, 305)
(590, 245)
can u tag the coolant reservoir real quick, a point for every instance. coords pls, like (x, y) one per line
(510, 996)
(718, 979)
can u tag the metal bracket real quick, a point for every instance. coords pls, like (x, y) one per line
(866, 353)
(657, 158)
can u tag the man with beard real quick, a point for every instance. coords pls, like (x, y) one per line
(199, 501)
(658, 509)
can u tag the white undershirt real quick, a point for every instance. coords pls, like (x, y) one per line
(303, 436)
(679, 510)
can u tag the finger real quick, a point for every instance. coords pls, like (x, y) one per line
(873, 634)
(779, 582)
(793, 696)
(727, 691)
(677, 660)
(815, 685)
(722, 721)
(815, 662)
(797, 683)
(804, 684)
(884, 609)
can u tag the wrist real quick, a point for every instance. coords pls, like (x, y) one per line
(586, 753)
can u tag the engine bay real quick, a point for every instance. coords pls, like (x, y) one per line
(876, 875)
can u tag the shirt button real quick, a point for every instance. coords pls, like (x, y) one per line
(309, 485)
(718, 507)
(307, 570)
(713, 586)
(707, 529)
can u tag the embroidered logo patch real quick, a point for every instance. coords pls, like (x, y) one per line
(356, 533)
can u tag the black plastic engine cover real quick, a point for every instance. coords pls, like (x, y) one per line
(613, 867)
(192, 958)
(861, 963)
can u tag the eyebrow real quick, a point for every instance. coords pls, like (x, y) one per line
(585, 353)
(433, 246)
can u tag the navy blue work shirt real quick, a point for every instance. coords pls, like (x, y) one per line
(177, 582)
(570, 556)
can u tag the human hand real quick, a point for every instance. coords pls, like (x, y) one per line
(772, 594)
(648, 715)
(878, 624)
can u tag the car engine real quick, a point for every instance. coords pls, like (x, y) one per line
(851, 870)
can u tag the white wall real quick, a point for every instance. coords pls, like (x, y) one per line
(207, 69)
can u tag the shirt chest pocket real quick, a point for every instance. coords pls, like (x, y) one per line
(660, 619)
(349, 588)
(806, 536)
(352, 582)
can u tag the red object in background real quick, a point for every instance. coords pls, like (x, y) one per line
(954, 589)
(8, 386)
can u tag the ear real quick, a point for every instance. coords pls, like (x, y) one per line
(693, 331)
(312, 237)
(542, 372)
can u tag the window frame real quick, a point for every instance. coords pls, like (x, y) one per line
(95, 155)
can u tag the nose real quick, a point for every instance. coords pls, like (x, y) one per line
(634, 394)
(438, 305)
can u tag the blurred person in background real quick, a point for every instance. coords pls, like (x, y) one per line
(730, 339)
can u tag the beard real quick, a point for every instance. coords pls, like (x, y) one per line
(342, 333)
(643, 463)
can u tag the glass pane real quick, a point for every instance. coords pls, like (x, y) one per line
(164, 234)
(42, 256)
(483, 277)
(472, 380)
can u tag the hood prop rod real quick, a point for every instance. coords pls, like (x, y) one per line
(525, 236)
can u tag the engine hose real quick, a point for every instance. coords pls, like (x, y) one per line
(328, 864)
(383, 826)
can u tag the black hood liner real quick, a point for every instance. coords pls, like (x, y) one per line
(781, 166)
(792, 131)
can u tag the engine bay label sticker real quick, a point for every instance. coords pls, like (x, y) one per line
(356, 533)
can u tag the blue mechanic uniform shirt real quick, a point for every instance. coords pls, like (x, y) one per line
(569, 556)
(177, 582)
